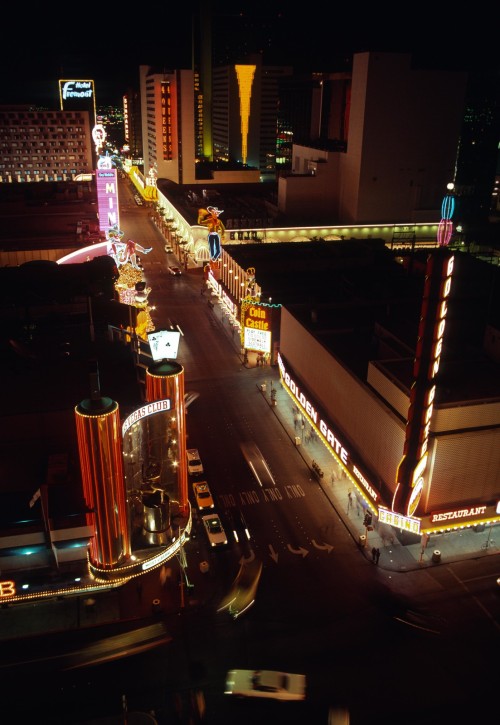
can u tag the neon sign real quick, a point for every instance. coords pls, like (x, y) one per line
(328, 434)
(107, 198)
(410, 475)
(458, 514)
(158, 406)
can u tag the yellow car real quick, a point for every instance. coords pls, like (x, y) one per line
(203, 496)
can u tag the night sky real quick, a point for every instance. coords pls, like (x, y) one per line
(108, 42)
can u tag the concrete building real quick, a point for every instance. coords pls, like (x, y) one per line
(244, 114)
(168, 123)
(402, 144)
(44, 145)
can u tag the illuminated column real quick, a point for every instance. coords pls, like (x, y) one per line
(166, 380)
(98, 428)
(245, 75)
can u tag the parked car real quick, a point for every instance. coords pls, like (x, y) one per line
(214, 530)
(168, 249)
(203, 496)
(194, 464)
(265, 683)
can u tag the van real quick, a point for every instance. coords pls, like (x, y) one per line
(194, 464)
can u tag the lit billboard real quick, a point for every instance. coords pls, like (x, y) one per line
(107, 198)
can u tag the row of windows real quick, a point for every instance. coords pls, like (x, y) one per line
(35, 135)
(49, 176)
(53, 160)
(63, 117)
(36, 172)
(15, 149)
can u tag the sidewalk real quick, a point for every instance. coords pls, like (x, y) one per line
(442, 548)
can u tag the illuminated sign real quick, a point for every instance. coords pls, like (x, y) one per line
(76, 89)
(158, 406)
(256, 322)
(257, 340)
(77, 95)
(98, 136)
(164, 344)
(405, 523)
(166, 121)
(7, 589)
(330, 436)
(107, 198)
(411, 470)
(458, 514)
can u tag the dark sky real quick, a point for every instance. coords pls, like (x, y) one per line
(108, 42)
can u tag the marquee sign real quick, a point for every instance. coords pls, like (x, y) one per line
(158, 406)
(256, 324)
(107, 198)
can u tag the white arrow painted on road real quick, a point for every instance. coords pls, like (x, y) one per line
(248, 559)
(327, 547)
(274, 555)
(301, 551)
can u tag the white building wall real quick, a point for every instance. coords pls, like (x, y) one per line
(464, 447)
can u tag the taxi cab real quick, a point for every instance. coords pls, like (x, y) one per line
(203, 495)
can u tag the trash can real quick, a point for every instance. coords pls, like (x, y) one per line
(297, 440)
(204, 567)
(362, 541)
(436, 556)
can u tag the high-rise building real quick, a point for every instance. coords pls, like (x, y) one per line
(168, 120)
(244, 114)
(38, 145)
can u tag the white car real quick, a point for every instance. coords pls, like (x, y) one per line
(214, 530)
(265, 683)
(194, 464)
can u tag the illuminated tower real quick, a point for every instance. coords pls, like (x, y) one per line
(165, 380)
(98, 428)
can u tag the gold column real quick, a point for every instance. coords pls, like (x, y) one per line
(99, 437)
(166, 380)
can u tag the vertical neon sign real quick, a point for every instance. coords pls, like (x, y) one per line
(107, 198)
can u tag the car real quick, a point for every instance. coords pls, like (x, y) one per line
(241, 595)
(194, 464)
(214, 530)
(265, 684)
(176, 271)
(237, 524)
(138, 200)
(190, 397)
(168, 249)
(203, 496)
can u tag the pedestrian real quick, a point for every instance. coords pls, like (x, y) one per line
(377, 555)
(349, 499)
(334, 477)
(374, 554)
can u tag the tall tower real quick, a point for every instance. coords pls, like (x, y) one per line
(99, 438)
(165, 380)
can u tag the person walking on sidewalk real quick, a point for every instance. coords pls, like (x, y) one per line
(374, 555)
(377, 555)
